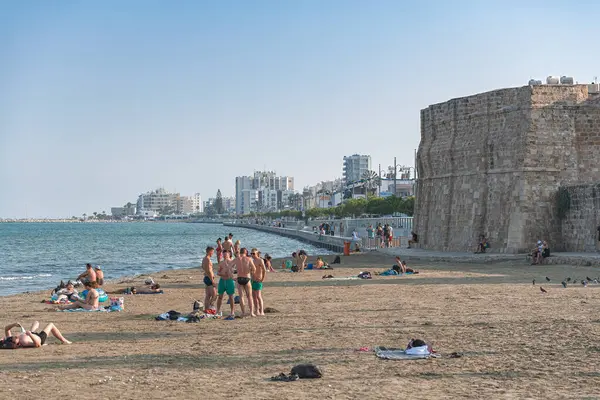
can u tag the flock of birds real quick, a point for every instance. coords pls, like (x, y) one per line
(569, 281)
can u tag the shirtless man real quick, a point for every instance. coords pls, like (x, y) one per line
(209, 279)
(219, 250)
(258, 277)
(91, 298)
(89, 273)
(226, 282)
(245, 269)
(99, 275)
(228, 244)
(29, 338)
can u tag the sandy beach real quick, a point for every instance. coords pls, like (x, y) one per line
(515, 341)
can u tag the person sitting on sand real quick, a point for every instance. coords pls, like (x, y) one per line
(29, 338)
(226, 282)
(258, 277)
(401, 267)
(245, 269)
(483, 244)
(268, 263)
(89, 274)
(67, 294)
(414, 240)
(302, 257)
(91, 299)
(99, 275)
(320, 263)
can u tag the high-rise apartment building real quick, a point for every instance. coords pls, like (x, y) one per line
(197, 205)
(355, 166)
(264, 191)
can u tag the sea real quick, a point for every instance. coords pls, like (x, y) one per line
(37, 256)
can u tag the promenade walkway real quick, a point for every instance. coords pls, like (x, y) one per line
(559, 258)
(336, 244)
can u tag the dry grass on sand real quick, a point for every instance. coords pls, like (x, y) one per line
(516, 342)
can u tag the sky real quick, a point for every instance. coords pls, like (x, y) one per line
(102, 101)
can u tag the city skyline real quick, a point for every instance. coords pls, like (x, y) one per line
(102, 101)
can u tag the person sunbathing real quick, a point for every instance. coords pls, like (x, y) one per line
(154, 288)
(91, 299)
(29, 338)
(401, 267)
(319, 264)
(66, 294)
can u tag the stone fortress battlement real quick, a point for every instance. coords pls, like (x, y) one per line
(493, 163)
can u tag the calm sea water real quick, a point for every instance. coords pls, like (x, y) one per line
(37, 256)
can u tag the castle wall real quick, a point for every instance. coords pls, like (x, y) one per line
(579, 227)
(492, 163)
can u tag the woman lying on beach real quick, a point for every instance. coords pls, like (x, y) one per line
(91, 299)
(29, 338)
(154, 288)
(67, 294)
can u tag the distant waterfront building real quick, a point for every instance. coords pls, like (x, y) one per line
(229, 204)
(355, 166)
(197, 205)
(120, 212)
(264, 191)
(184, 205)
(158, 200)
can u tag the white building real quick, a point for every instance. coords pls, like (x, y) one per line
(247, 202)
(185, 205)
(229, 204)
(355, 166)
(242, 183)
(197, 205)
(264, 191)
(404, 187)
(156, 200)
(120, 212)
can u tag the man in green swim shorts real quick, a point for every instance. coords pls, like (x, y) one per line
(226, 283)
(258, 276)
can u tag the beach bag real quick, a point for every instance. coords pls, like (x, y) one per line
(295, 268)
(117, 303)
(307, 371)
(337, 260)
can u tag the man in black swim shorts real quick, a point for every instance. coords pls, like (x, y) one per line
(245, 269)
(29, 338)
(209, 279)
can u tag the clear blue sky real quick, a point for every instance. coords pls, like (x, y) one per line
(100, 101)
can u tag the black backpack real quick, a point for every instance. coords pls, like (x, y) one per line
(307, 371)
(7, 343)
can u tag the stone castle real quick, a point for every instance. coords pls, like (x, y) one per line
(515, 164)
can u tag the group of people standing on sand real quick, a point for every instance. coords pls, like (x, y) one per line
(251, 270)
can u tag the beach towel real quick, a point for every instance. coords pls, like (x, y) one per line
(415, 353)
(344, 278)
(101, 309)
(389, 272)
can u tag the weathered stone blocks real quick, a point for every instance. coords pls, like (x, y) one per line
(492, 164)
